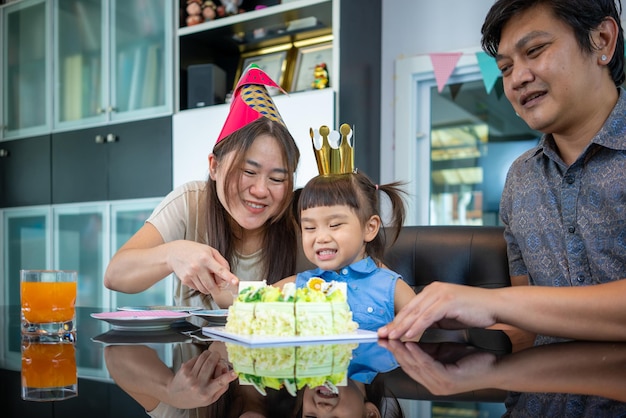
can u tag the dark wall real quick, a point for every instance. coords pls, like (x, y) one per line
(359, 74)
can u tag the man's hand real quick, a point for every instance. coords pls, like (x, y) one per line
(441, 305)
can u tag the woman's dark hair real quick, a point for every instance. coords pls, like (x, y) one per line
(279, 244)
(358, 192)
(583, 16)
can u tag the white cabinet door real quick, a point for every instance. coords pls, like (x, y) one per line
(196, 130)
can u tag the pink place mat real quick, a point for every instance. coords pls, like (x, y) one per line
(140, 314)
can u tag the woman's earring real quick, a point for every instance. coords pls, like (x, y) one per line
(603, 57)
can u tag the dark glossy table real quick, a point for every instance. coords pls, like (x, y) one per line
(467, 366)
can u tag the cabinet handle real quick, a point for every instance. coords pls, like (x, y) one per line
(99, 139)
(112, 109)
(4, 153)
(111, 138)
(100, 110)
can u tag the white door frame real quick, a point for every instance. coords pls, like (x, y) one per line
(414, 81)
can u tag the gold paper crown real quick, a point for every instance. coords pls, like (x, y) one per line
(334, 151)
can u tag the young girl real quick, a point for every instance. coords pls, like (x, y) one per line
(342, 236)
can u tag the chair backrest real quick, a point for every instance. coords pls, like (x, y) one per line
(470, 255)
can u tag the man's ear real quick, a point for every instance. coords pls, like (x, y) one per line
(371, 227)
(605, 38)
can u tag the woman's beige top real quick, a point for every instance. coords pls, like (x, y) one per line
(182, 215)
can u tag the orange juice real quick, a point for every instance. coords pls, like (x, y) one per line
(46, 365)
(48, 301)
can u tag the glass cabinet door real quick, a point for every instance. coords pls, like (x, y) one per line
(112, 60)
(140, 67)
(26, 68)
(79, 245)
(25, 245)
(126, 219)
(80, 84)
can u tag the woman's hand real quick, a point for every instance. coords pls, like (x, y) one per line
(139, 371)
(200, 267)
(441, 305)
(200, 381)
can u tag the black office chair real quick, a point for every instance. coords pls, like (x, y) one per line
(468, 255)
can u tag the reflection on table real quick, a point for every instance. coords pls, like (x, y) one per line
(128, 372)
(572, 367)
(272, 380)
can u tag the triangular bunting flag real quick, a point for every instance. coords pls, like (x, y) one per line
(489, 69)
(454, 89)
(443, 65)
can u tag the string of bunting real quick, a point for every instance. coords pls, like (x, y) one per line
(444, 64)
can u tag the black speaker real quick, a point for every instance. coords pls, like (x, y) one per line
(206, 85)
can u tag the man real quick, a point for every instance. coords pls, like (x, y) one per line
(564, 202)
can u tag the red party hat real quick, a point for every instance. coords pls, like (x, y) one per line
(251, 101)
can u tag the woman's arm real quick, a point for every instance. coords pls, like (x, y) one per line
(145, 259)
(139, 371)
(139, 263)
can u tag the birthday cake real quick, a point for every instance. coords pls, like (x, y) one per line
(320, 308)
(291, 367)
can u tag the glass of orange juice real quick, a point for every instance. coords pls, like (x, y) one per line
(48, 369)
(48, 301)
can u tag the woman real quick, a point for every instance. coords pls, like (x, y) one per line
(237, 225)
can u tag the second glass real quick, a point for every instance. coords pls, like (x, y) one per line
(48, 368)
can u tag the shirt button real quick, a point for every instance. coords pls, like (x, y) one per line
(570, 179)
(344, 271)
(571, 229)
(370, 309)
(580, 279)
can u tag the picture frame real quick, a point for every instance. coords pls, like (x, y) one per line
(307, 57)
(274, 61)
